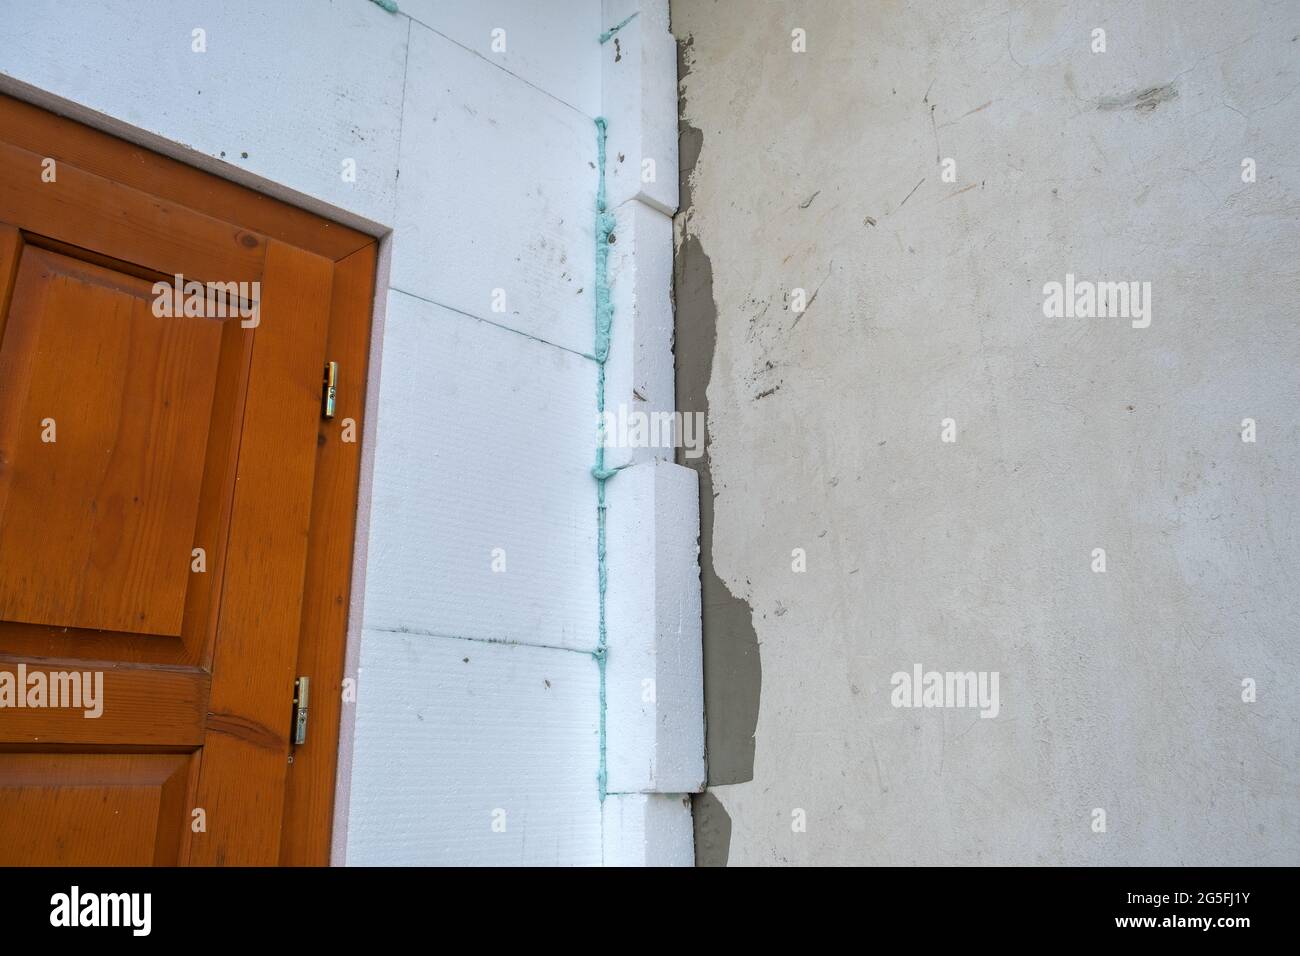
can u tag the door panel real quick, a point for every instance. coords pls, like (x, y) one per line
(97, 526)
(92, 810)
(157, 474)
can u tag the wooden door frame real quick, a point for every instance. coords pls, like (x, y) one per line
(307, 821)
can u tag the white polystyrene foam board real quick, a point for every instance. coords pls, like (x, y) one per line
(654, 675)
(639, 376)
(496, 198)
(469, 753)
(639, 100)
(648, 829)
(483, 516)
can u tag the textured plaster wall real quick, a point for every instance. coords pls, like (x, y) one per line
(1121, 690)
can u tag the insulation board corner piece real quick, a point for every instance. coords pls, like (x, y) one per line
(639, 395)
(654, 692)
(639, 98)
(647, 829)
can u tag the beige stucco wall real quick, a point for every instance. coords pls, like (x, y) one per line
(1122, 690)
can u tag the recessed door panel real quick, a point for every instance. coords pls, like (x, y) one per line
(104, 417)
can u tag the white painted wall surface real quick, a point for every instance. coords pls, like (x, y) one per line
(475, 736)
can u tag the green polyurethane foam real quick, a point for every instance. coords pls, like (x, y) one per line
(605, 37)
(604, 326)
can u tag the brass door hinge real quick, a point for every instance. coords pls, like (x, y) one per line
(301, 698)
(329, 390)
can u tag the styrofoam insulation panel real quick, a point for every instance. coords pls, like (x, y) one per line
(654, 677)
(639, 99)
(639, 372)
(648, 829)
(551, 45)
(497, 192)
(486, 441)
(475, 754)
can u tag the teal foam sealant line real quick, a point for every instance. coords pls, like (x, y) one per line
(389, 5)
(602, 474)
(605, 37)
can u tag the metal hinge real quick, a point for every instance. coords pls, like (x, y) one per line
(301, 697)
(329, 389)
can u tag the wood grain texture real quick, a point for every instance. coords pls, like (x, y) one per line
(143, 706)
(309, 793)
(96, 527)
(104, 524)
(92, 809)
(11, 246)
(98, 213)
(241, 782)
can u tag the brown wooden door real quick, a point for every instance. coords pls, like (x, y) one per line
(159, 541)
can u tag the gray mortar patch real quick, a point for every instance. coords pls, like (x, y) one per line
(733, 674)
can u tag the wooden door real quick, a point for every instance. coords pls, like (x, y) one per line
(176, 515)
